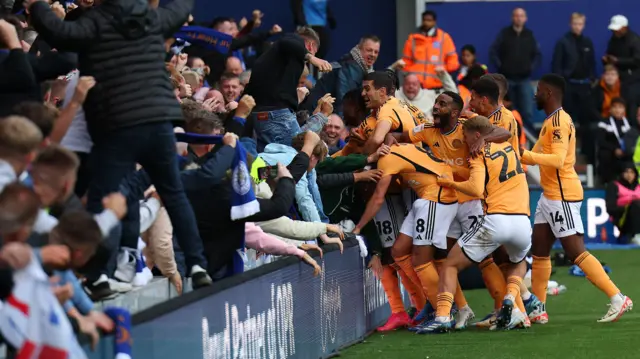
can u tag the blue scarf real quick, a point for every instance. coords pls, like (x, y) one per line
(208, 38)
(243, 200)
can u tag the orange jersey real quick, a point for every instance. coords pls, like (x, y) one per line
(419, 170)
(498, 171)
(502, 117)
(555, 153)
(402, 115)
(449, 147)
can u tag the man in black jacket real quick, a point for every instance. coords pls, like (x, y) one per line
(574, 59)
(623, 51)
(516, 54)
(273, 85)
(129, 112)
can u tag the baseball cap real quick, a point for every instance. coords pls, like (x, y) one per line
(618, 22)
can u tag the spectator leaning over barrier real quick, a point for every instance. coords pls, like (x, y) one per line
(623, 202)
(428, 48)
(623, 51)
(517, 65)
(354, 66)
(317, 15)
(616, 141)
(574, 59)
(274, 80)
(122, 134)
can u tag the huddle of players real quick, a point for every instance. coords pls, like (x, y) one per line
(472, 205)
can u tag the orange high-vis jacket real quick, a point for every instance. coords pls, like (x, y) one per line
(423, 53)
(464, 92)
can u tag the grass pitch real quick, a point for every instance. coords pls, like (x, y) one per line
(572, 331)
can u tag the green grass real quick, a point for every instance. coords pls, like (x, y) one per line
(572, 331)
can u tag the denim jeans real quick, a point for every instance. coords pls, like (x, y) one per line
(521, 93)
(279, 126)
(115, 154)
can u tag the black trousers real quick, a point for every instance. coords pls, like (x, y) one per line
(578, 102)
(114, 156)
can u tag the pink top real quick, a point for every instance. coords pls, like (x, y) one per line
(256, 239)
(626, 196)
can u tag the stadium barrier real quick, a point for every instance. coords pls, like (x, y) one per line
(278, 310)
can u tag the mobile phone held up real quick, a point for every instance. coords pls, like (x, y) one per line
(267, 172)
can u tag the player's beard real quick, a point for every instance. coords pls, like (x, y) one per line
(443, 120)
(539, 104)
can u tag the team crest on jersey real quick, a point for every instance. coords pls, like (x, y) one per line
(457, 144)
(557, 136)
(413, 183)
(418, 129)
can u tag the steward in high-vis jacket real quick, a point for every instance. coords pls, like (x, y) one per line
(427, 49)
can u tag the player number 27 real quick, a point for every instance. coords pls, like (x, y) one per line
(504, 175)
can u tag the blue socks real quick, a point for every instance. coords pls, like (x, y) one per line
(123, 341)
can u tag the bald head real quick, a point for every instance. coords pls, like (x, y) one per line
(234, 66)
(411, 86)
(518, 17)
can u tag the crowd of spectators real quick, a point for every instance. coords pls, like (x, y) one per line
(79, 136)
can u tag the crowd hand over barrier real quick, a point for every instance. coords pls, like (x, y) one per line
(368, 176)
(376, 266)
(325, 105)
(176, 281)
(245, 106)
(327, 240)
(334, 228)
(62, 292)
(312, 262)
(311, 246)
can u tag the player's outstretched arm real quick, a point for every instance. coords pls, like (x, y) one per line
(559, 138)
(474, 186)
(497, 135)
(375, 203)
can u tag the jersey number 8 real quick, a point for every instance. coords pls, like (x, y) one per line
(504, 175)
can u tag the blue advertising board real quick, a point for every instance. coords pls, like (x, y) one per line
(286, 313)
(595, 219)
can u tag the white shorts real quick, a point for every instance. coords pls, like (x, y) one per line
(469, 213)
(495, 230)
(427, 223)
(389, 219)
(563, 217)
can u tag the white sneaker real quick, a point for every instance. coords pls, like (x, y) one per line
(539, 315)
(616, 311)
(143, 274)
(463, 317)
(119, 287)
(126, 269)
(518, 320)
